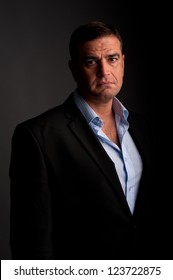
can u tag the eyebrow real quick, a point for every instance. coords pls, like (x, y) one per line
(96, 57)
(114, 54)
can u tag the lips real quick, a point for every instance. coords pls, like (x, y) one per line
(104, 83)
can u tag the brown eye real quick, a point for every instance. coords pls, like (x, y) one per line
(90, 62)
(113, 59)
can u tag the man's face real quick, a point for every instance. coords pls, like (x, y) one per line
(99, 69)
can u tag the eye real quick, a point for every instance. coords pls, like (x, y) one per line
(90, 62)
(113, 59)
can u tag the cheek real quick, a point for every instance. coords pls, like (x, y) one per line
(119, 71)
(87, 75)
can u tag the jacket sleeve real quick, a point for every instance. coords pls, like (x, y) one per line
(30, 199)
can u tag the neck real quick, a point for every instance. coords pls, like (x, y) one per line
(103, 110)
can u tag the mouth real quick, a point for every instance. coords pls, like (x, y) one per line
(101, 83)
(104, 84)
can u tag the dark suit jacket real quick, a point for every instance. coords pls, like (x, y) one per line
(66, 198)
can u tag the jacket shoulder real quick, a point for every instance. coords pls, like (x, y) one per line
(51, 117)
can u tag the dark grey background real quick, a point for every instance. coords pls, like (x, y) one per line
(34, 74)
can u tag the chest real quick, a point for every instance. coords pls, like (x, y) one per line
(110, 130)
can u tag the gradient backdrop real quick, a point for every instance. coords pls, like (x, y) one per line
(34, 74)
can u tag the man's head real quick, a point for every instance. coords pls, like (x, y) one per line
(97, 61)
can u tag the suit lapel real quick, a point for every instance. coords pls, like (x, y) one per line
(91, 144)
(143, 143)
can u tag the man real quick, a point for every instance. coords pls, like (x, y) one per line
(81, 173)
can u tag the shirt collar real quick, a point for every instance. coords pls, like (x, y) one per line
(119, 109)
(85, 109)
(90, 115)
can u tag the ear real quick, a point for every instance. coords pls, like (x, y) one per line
(72, 67)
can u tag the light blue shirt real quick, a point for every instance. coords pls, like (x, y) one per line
(126, 158)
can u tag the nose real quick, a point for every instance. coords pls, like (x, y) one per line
(103, 69)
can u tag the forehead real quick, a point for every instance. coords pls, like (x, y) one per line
(103, 44)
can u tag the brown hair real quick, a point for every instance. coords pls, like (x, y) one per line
(91, 31)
